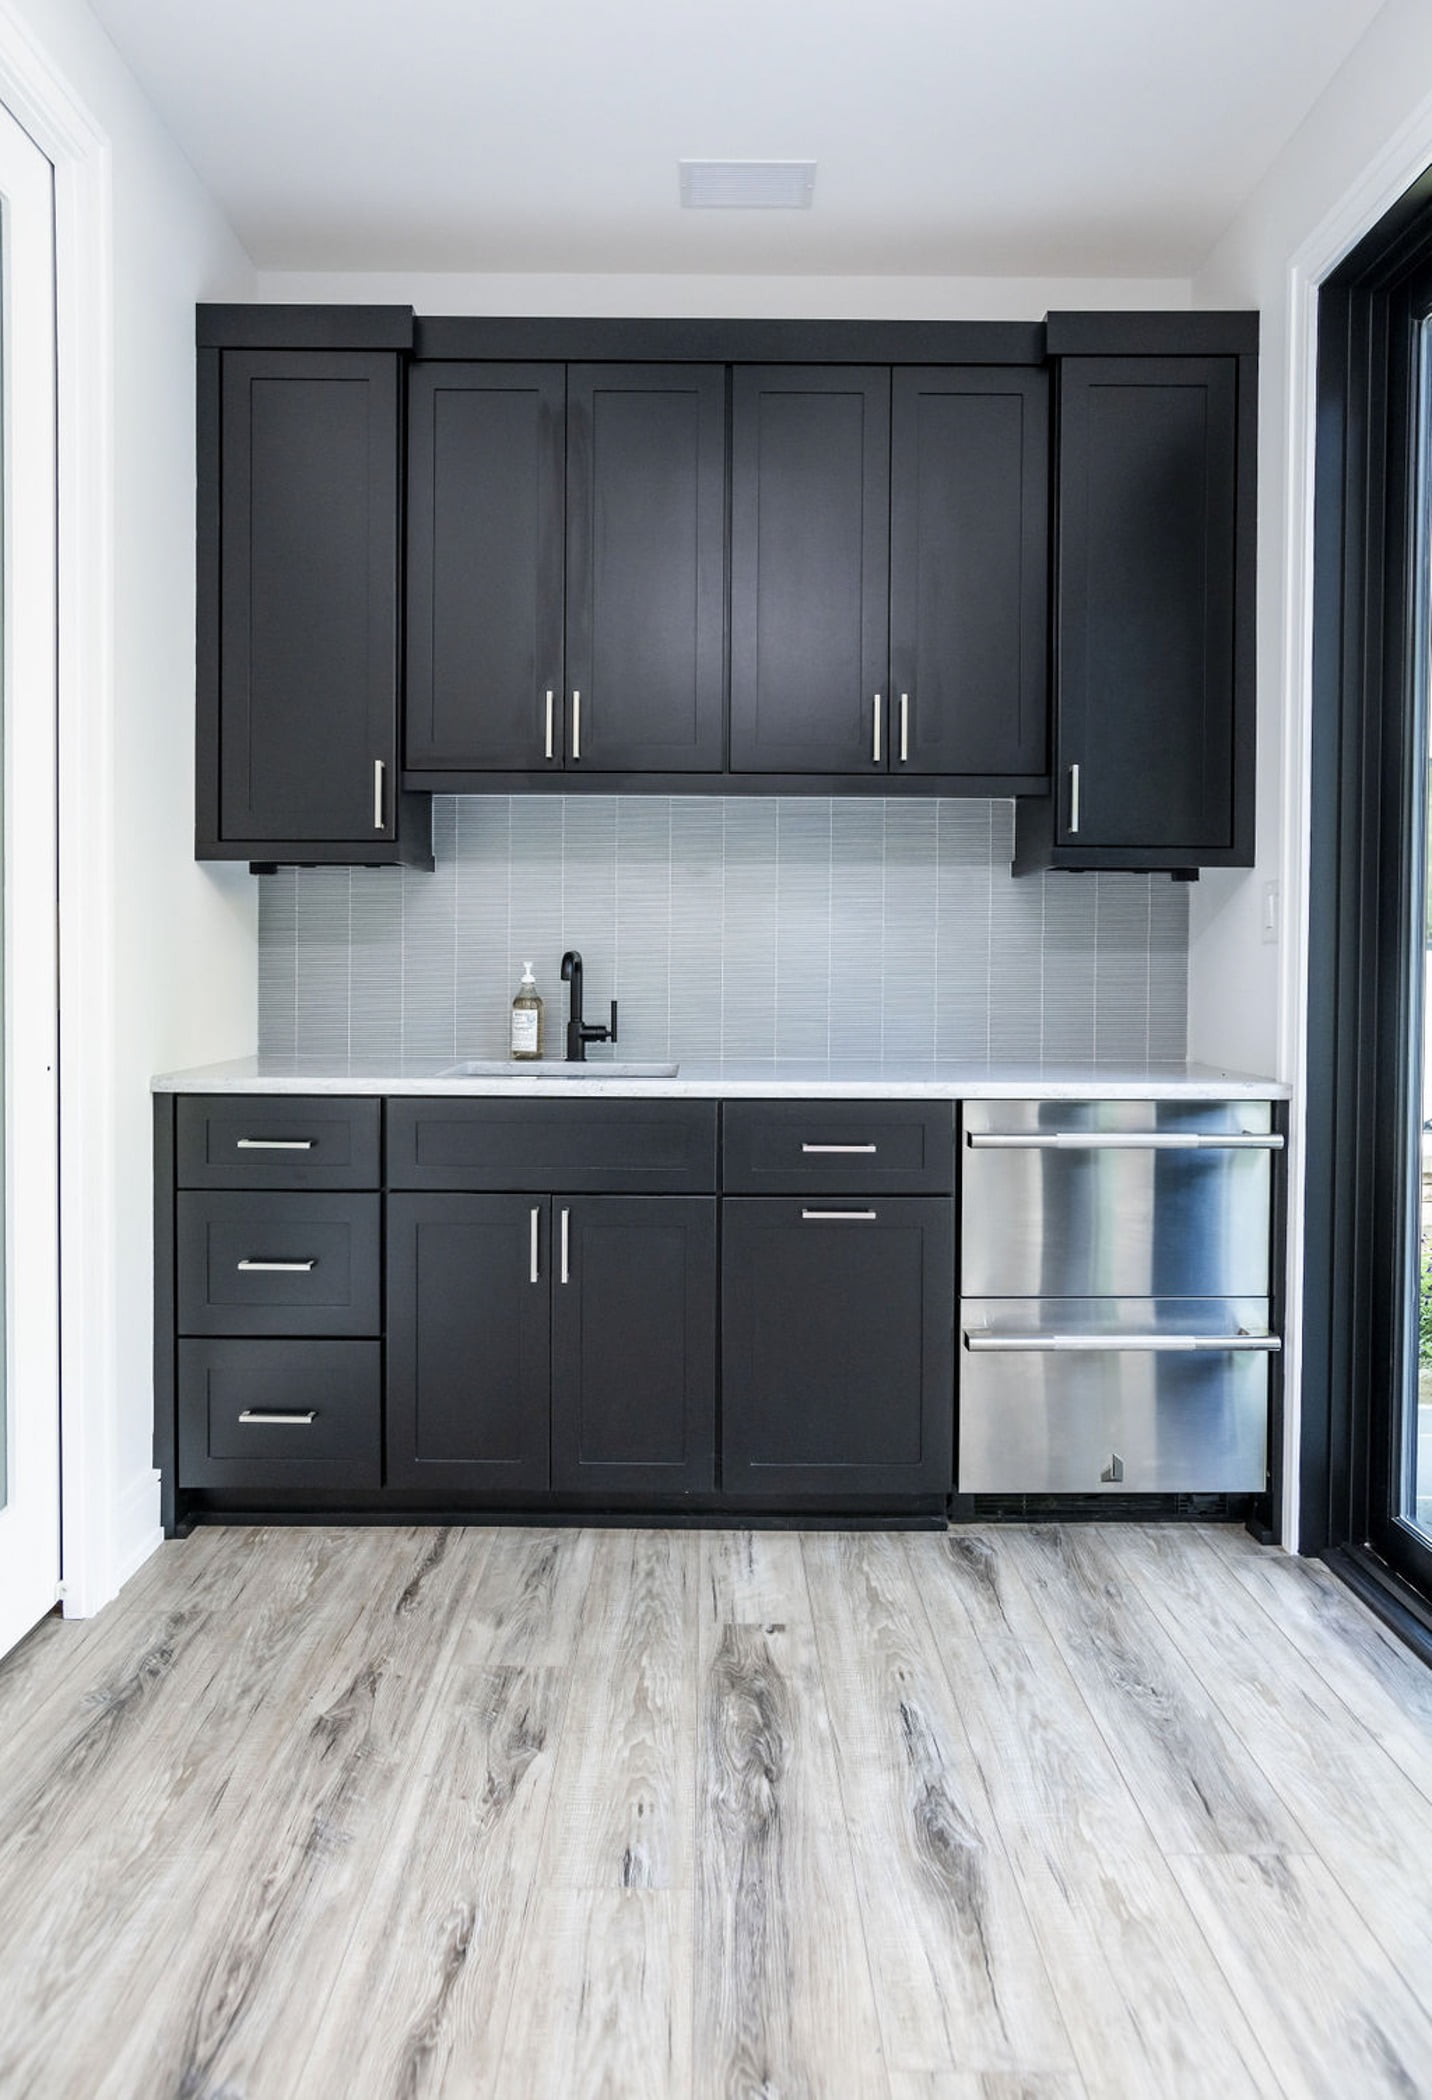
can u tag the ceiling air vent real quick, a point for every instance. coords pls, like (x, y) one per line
(747, 185)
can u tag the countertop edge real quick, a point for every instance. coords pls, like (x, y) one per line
(1199, 1083)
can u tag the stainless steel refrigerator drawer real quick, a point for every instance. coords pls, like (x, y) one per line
(1122, 1396)
(1129, 1198)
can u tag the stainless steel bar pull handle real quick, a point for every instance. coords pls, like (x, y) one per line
(875, 729)
(839, 1148)
(1124, 1141)
(1073, 798)
(279, 1268)
(839, 1217)
(576, 725)
(536, 1276)
(273, 1144)
(377, 794)
(904, 728)
(566, 1246)
(1099, 1344)
(299, 1418)
(551, 750)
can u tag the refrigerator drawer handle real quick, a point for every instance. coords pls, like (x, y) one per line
(1100, 1344)
(1123, 1141)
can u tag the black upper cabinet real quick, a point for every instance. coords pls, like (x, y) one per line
(299, 594)
(1154, 690)
(969, 559)
(646, 568)
(486, 458)
(566, 562)
(810, 526)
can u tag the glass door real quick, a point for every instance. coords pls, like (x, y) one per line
(29, 1136)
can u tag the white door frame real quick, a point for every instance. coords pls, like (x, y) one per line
(30, 1403)
(41, 101)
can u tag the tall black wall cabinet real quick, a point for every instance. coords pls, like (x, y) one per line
(747, 558)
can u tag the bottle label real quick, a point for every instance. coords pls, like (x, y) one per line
(524, 1030)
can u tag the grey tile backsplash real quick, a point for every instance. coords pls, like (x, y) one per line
(738, 928)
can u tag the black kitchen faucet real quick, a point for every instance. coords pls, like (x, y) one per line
(580, 1032)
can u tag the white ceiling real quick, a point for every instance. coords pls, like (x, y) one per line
(954, 137)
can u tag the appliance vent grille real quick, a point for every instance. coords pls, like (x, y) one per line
(746, 185)
(1102, 1509)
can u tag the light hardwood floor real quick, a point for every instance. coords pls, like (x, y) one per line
(1045, 1813)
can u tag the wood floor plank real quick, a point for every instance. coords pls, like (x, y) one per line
(985, 2085)
(1329, 2013)
(1146, 2005)
(960, 1984)
(1364, 1817)
(621, 1808)
(427, 1980)
(1164, 1732)
(601, 2006)
(1375, 1675)
(784, 2003)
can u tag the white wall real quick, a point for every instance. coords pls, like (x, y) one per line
(1244, 993)
(714, 298)
(183, 938)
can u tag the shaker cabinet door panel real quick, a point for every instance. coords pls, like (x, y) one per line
(486, 461)
(634, 1344)
(810, 541)
(837, 1346)
(646, 567)
(308, 596)
(1146, 583)
(969, 559)
(469, 1342)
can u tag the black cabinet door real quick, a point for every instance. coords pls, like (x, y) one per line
(634, 1344)
(837, 1346)
(308, 599)
(810, 527)
(969, 563)
(486, 454)
(646, 568)
(469, 1342)
(1145, 605)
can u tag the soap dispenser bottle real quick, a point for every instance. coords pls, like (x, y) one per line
(527, 1017)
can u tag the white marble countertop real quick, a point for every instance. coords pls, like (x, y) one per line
(946, 1080)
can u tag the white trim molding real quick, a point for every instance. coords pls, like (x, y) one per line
(1405, 156)
(96, 1554)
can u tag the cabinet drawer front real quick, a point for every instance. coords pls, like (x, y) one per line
(280, 1413)
(1120, 1198)
(790, 1148)
(616, 1148)
(266, 1141)
(1117, 1396)
(291, 1264)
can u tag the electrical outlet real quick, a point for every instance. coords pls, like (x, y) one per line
(1270, 914)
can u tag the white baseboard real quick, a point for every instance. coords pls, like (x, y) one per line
(134, 1534)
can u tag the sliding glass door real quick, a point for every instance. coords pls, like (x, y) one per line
(29, 1258)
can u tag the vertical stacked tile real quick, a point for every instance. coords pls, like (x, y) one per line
(1016, 949)
(485, 873)
(1121, 995)
(694, 965)
(748, 930)
(857, 928)
(641, 974)
(962, 928)
(376, 986)
(803, 928)
(429, 926)
(1070, 966)
(535, 908)
(909, 940)
(1168, 969)
(278, 963)
(324, 950)
(588, 915)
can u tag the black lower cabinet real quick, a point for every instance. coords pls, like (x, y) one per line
(542, 1342)
(634, 1345)
(469, 1342)
(837, 1347)
(279, 1413)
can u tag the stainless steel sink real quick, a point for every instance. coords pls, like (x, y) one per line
(555, 1068)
